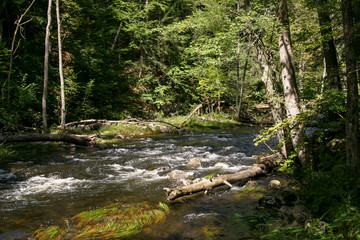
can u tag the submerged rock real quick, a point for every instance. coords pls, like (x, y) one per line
(194, 163)
(270, 202)
(160, 167)
(251, 184)
(221, 165)
(181, 175)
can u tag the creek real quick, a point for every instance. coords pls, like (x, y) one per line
(49, 182)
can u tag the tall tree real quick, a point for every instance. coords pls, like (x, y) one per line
(329, 49)
(352, 104)
(62, 85)
(289, 83)
(46, 67)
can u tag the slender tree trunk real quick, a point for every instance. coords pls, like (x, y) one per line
(274, 96)
(237, 107)
(244, 73)
(13, 50)
(62, 85)
(352, 104)
(269, 78)
(329, 49)
(356, 7)
(46, 67)
(116, 36)
(289, 83)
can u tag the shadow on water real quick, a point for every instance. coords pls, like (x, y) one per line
(48, 182)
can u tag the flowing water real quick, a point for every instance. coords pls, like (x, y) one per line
(49, 182)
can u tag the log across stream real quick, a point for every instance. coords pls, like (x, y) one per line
(263, 166)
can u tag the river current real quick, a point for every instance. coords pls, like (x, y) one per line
(48, 182)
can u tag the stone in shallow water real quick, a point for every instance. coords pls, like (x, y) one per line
(275, 184)
(270, 202)
(221, 165)
(194, 163)
(180, 175)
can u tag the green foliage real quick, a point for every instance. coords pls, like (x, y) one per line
(111, 222)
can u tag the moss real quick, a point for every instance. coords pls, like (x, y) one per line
(111, 222)
(211, 232)
(252, 193)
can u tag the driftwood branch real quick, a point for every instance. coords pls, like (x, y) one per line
(190, 115)
(261, 168)
(82, 140)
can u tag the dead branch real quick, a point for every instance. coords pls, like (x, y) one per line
(190, 115)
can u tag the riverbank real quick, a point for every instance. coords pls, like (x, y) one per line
(132, 127)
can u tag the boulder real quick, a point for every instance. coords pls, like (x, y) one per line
(275, 184)
(181, 175)
(194, 163)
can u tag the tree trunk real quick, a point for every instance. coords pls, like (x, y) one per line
(237, 103)
(116, 36)
(206, 185)
(46, 67)
(62, 85)
(356, 8)
(75, 139)
(13, 50)
(352, 116)
(274, 96)
(329, 49)
(289, 84)
(244, 73)
(190, 115)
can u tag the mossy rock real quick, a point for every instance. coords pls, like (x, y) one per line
(115, 221)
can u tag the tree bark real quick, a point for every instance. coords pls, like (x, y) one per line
(237, 103)
(352, 104)
(75, 139)
(62, 85)
(289, 84)
(206, 185)
(274, 96)
(329, 49)
(46, 67)
(244, 73)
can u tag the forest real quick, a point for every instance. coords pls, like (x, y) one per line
(69, 60)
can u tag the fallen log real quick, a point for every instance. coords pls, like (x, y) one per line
(263, 166)
(83, 140)
(87, 121)
(190, 115)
